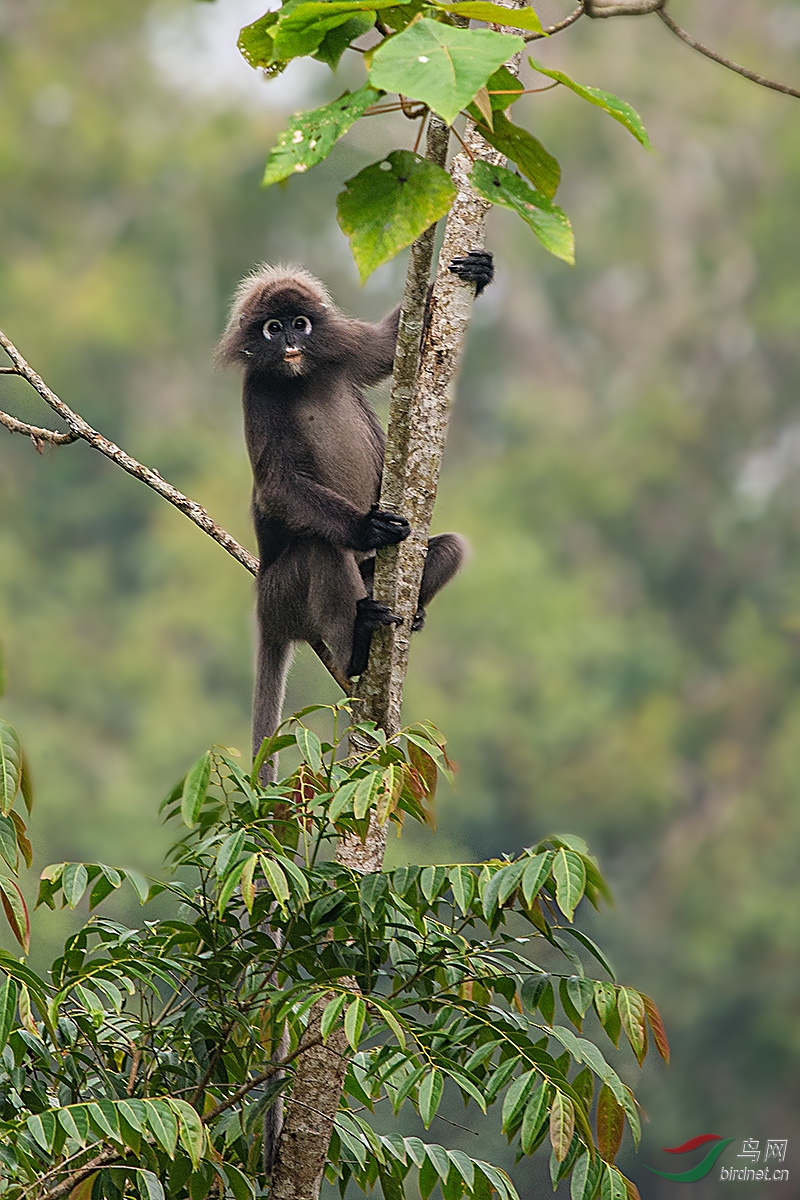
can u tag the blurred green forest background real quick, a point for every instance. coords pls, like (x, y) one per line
(621, 657)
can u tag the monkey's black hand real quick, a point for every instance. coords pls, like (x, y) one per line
(382, 529)
(475, 267)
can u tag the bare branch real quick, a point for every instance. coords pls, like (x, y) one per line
(35, 432)
(753, 76)
(81, 430)
(75, 1177)
(634, 8)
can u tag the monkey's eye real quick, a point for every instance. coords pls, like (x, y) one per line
(271, 328)
(301, 324)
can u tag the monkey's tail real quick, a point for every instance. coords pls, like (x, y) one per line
(272, 667)
(273, 1117)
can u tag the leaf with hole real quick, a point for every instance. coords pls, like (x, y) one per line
(308, 139)
(522, 148)
(549, 223)
(389, 204)
(442, 66)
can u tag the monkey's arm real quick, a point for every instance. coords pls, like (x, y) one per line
(373, 348)
(292, 498)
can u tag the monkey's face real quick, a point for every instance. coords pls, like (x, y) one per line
(288, 342)
(283, 334)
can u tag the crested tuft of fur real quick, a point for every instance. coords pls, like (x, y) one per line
(255, 290)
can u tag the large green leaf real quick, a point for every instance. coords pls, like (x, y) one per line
(311, 137)
(389, 204)
(441, 65)
(616, 108)
(549, 222)
(494, 14)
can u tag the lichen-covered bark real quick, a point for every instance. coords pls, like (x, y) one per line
(313, 1104)
(414, 454)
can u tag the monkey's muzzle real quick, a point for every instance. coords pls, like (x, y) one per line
(293, 356)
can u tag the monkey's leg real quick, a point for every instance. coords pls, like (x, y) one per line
(272, 667)
(446, 554)
(370, 615)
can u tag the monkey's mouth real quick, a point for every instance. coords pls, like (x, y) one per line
(293, 360)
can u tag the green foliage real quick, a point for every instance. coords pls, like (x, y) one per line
(16, 794)
(426, 56)
(389, 204)
(145, 1063)
(442, 66)
(547, 220)
(616, 108)
(311, 136)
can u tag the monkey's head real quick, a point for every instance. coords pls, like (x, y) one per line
(280, 324)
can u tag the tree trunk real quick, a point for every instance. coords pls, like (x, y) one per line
(419, 414)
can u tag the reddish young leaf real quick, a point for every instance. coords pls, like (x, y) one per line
(657, 1026)
(610, 1124)
(16, 911)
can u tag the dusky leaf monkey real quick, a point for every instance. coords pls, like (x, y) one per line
(316, 449)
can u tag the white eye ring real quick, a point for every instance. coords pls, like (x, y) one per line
(301, 324)
(271, 328)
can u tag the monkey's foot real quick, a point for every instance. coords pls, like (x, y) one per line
(419, 620)
(369, 615)
(477, 266)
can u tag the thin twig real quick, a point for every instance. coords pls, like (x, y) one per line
(634, 8)
(75, 1177)
(82, 430)
(753, 76)
(551, 29)
(266, 1074)
(35, 432)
